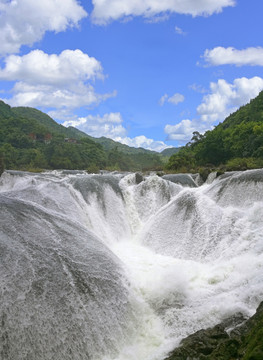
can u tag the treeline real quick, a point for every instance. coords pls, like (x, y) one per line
(235, 144)
(27, 144)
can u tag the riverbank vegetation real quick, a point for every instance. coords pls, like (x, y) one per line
(235, 144)
(31, 140)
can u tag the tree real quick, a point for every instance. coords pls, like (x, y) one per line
(182, 161)
(212, 149)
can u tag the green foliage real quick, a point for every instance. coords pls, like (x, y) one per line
(182, 161)
(93, 169)
(211, 149)
(244, 164)
(1, 164)
(24, 145)
(169, 151)
(252, 344)
(10, 156)
(50, 125)
(119, 161)
(236, 144)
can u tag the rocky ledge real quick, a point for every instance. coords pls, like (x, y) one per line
(244, 342)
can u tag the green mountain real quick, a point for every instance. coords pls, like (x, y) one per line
(71, 132)
(235, 144)
(50, 124)
(252, 112)
(30, 139)
(110, 144)
(170, 151)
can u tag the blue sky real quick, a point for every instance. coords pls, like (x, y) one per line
(143, 72)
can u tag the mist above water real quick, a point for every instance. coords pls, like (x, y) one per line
(100, 267)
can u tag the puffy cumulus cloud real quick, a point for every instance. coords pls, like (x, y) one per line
(108, 125)
(39, 67)
(108, 10)
(23, 22)
(52, 97)
(223, 99)
(252, 56)
(175, 99)
(183, 131)
(143, 141)
(53, 81)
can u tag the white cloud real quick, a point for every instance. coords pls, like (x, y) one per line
(109, 10)
(198, 88)
(54, 97)
(39, 67)
(175, 99)
(23, 22)
(183, 131)
(226, 98)
(252, 56)
(108, 125)
(56, 81)
(154, 20)
(179, 31)
(223, 99)
(163, 99)
(144, 142)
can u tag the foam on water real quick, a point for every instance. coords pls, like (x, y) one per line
(104, 268)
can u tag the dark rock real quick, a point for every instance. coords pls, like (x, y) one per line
(200, 344)
(198, 179)
(181, 179)
(245, 342)
(138, 178)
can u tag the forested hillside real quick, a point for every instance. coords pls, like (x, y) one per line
(31, 140)
(107, 144)
(235, 144)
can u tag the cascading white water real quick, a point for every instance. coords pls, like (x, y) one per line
(100, 267)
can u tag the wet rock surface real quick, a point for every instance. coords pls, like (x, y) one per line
(244, 342)
(181, 179)
(138, 178)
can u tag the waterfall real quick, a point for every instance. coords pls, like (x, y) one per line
(106, 267)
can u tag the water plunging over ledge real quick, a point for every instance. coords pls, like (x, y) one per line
(102, 267)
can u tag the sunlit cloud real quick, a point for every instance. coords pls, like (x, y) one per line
(54, 81)
(23, 22)
(252, 56)
(110, 10)
(223, 99)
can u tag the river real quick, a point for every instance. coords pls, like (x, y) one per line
(118, 267)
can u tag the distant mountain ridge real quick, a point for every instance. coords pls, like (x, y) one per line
(170, 151)
(30, 139)
(107, 143)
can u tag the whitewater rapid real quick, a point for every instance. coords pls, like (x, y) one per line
(118, 267)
